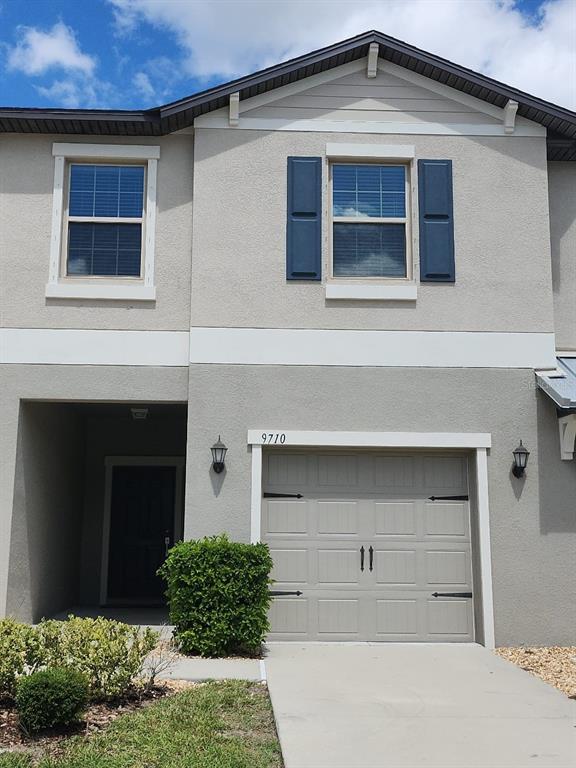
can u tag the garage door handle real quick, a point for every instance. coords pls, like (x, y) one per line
(371, 553)
(280, 592)
(361, 558)
(451, 594)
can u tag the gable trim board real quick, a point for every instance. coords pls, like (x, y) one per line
(479, 443)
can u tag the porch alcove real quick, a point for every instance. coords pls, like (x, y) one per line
(98, 498)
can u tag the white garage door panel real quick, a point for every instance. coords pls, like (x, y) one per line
(412, 546)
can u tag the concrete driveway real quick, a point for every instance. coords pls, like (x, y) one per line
(406, 706)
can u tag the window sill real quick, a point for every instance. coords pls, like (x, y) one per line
(100, 291)
(371, 292)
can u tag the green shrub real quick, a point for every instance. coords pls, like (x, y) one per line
(51, 697)
(109, 653)
(218, 595)
(19, 652)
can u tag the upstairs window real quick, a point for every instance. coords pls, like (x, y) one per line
(369, 221)
(105, 218)
(103, 222)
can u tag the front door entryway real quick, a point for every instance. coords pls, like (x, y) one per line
(144, 506)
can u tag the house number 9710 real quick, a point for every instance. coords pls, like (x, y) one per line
(273, 438)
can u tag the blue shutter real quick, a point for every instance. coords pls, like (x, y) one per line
(304, 225)
(436, 221)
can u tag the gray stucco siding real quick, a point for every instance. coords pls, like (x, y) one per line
(501, 234)
(533, 531)
(562, 193)
(26, 189)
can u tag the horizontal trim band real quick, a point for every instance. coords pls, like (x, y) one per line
(46, 346)
(370, 439)
(367, 126)
(278, 346)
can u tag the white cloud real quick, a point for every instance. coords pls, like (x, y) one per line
(232, 37)
(37, 51)
(142, 83)
(75, 93)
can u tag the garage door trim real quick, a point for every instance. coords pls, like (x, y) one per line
(478, 442)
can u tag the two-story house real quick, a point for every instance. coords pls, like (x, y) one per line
(358, 268)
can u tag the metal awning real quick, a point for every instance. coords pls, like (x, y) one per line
(560, 384)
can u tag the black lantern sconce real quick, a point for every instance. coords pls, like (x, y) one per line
(218, 454)
(520, 460)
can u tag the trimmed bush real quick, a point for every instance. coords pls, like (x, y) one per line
(108, 653)
(218, 595)
(51, 698)
(19, 652)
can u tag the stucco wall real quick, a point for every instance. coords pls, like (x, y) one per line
(562, 192)
(48, 500)
(502, 238)
(26, 185)
(533, 575)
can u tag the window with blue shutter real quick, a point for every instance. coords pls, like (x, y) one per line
(105, 217)
(304, 223)
(369, 220)
(435, 201)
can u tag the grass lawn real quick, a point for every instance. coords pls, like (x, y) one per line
(215, 725)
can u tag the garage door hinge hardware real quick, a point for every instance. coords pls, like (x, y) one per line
(278, 593)
(451, 594)
(282, 495)
(448, 498)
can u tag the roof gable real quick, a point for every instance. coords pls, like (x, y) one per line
(560, 122)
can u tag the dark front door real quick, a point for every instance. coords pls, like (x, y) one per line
(141, 527)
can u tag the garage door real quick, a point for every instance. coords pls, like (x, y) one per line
(374, 557)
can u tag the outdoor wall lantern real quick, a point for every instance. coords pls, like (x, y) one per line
(218, 454)
(520, 460)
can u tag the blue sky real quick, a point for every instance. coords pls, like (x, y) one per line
(139, 53)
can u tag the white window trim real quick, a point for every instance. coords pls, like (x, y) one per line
(62, 286)
(383, 152)
(372, 288)
(478, 442)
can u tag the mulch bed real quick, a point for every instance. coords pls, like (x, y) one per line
(556, 665)
(97, 717)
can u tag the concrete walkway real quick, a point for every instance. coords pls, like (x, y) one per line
(410, 706)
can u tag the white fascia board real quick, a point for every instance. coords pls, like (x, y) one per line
(357, 126)
(371, 292)
(421, 349)
(371, 151)
(47, 346)
(70, 290)
(118, 151)
(328, 439)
